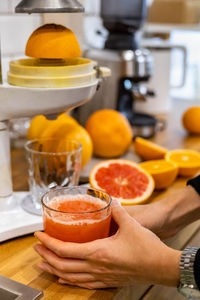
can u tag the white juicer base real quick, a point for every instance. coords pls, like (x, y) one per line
(18, 102)
(17, 222)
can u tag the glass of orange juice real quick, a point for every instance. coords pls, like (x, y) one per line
(77, 214)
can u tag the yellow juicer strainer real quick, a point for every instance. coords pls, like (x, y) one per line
(44, 73)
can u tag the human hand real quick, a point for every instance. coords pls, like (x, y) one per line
(153, 216)
(169, 215)
(132, 255)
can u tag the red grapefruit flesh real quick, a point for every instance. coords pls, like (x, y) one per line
(124, 180)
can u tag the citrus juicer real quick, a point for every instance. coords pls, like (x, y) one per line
(64, 86)
(49, 6)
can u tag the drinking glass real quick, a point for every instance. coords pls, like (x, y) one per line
(77, 214)
(49, 168)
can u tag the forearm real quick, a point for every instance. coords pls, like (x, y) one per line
(168, 216)
(182, 209)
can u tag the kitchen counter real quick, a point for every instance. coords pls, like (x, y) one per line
(18, 260)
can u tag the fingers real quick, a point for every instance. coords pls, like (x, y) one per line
(120, 216)
(72, 278)
(115, 202)
(124, 221)
(87, 285)
(61, 264)
(65, 249)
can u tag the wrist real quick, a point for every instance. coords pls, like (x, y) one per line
(170, 271)
(182, 208)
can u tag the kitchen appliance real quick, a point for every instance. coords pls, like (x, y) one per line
(131, 66)
(22, 101)
(49, 6)
(162, 52)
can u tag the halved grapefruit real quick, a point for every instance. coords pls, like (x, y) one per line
(124, 180)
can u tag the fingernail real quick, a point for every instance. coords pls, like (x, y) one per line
(36, 248)
(37, 232)
(115, 202)
(61, 281)
(36, 235)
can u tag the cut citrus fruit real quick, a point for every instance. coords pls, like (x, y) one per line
(82, 136)
(148, 150)
(188, 161)
(37, 125)
(163, 172)
(66, 117)
(63, 128)
(66, 129)
(111, 133)
(52, 41)
(124, 180)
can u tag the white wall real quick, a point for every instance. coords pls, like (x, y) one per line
(14, 31)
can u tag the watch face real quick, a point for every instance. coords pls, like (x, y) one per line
(189, 292)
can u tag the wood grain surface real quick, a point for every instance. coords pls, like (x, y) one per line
(18, 260)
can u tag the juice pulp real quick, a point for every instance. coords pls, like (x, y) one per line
(77, 219)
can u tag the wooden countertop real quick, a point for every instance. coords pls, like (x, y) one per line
(18, 260)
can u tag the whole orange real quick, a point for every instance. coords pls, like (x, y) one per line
(191, 120)
(110, 131)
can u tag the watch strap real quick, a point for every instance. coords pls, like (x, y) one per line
(187, 267)
(197, 268)
(195, 183)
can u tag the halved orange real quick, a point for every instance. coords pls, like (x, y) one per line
(124, 180)
(188, 161)
(64, 127)
(53, 41)
(64, 116)
(81, 135)
(148, 150)
(163, 172)
(37, 126)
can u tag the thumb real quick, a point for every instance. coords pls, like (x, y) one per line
(120, 215)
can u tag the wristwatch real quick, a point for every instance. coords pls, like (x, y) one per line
(188, 286)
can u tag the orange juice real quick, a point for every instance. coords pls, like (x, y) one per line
(77, 218)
